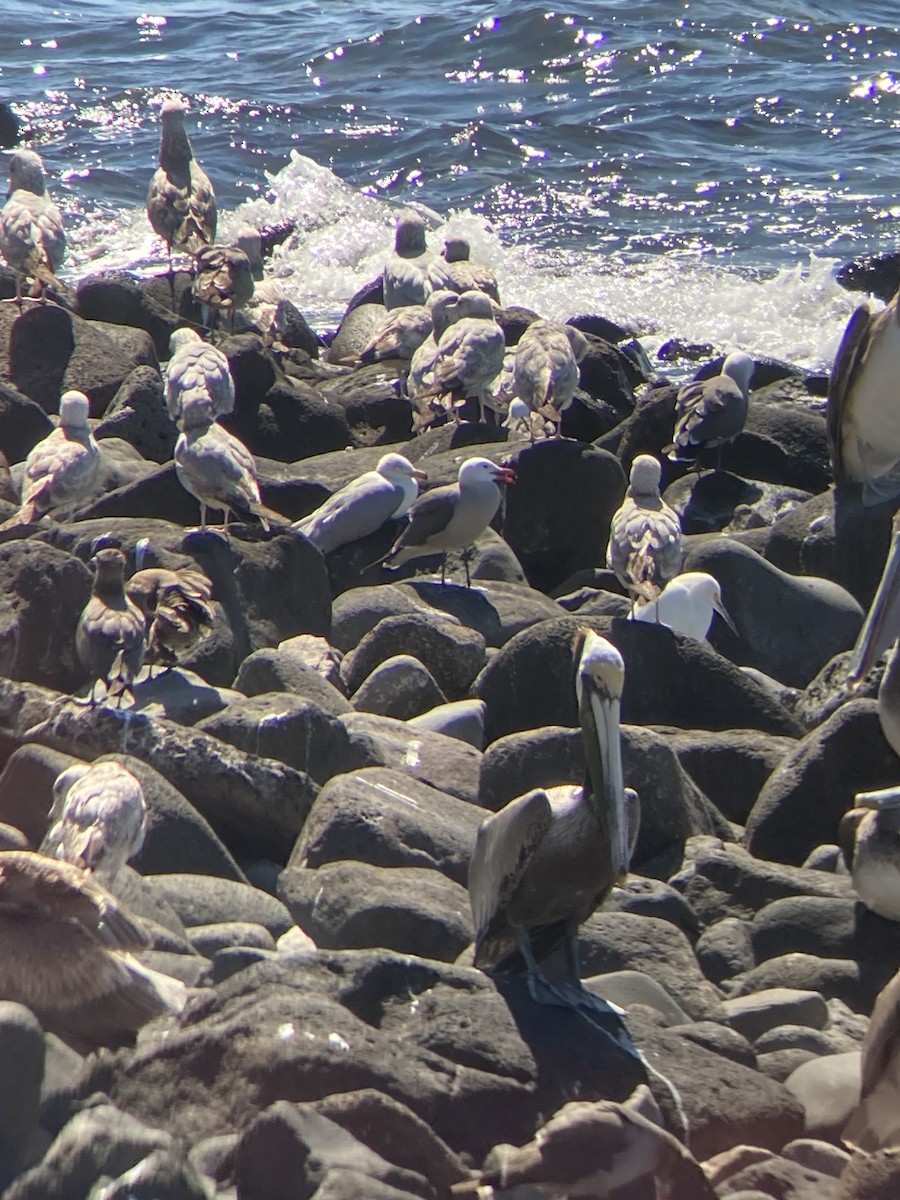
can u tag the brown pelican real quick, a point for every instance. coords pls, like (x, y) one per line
(64, 943)
(63, 469)
(645, 534)
(468, 357)
(405, 276)
(869, 835)
(98, 818)
(875, 1123)
(32, 237)
(364, 504)
(711, 412)
(880, 629)
(863, 420)
(460, 273)
(452, 517)
(109, 637)
(195, 364)
(686, 604)
(181, 203)
(223, 283)
(546, 372)
(176, 607)
(543, 864)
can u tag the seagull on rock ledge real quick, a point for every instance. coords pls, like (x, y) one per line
(645, 534)
(686, 604)
(98, 818)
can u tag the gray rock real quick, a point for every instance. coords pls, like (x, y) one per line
(22, 1054)
(627, 988)
(720, 1039)
(26, 784)
(725, 949)
(452, 653)
(653, 898)
(779, 1064)
(828, 1089)
(162, 1175)
(22, 424)
(802, 1037)
(779, 1177)
(357, 611)
(137, 414)
(278, 670)
(209, 939)
(819, 1155)
(830, 977)
(399, 687)
(444, 762)
(462, 719)
(179, 695)
(756, 1014)
(205, 900)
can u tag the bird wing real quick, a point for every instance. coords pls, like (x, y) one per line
(504, 846)
(352, 512)
(198, 365)
(882, 1042)
(429, 517)
(405, 280)
(850, 355)
(470, 355)
(717, 412)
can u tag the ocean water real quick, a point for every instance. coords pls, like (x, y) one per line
(692, 170)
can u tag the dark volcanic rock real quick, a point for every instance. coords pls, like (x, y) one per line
(452, 653)
(117, 299)
(399, 687)
(22, 423)
(22, 1053)
(137, 413)
(280, 670)
(207, 900)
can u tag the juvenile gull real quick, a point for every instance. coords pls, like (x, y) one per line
(711, 412)
(645, 534)
(400, 336)
(109, 638)
(862, 417)
(875, 1123)
(546, 372)
(32, 238)
(686, 604)
(64, 953)
(181, 203)
(452, 517)
(98, 818)
(869, 835)
(405, 277)
(197, 365)
(469, 355)
(215, 466)
(442, 307)
(363, 505)
(456, 270)
(176, 608)
(544, 863)
(222, 284)
(64, 469)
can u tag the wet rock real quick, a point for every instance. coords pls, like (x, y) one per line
(206, 900)
(452, 653)
(137, 414)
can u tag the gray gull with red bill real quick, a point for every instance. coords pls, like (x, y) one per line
(711, 412)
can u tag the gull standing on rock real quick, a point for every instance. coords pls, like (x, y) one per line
(176, 607)
(64, 469)
(197, 365)
(442, 308)
(405, 276)
(645, 534)
(98, 818)
(545, 372)
(469, 355)
(223, 283)
(401, 335)
(32, 238)
(711, 412)
(363, 505)
(109, 638)
(181, 203)
(686, 604)
(452, 517)
(459, 273)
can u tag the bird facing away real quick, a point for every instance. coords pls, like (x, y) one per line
(468, 357)
(645, 534)
(64, 953)
(442, 307)
(862, 419)
(452, 517)
(64, 468)
(875, 1122)
(711, 412)
(223, 283)
(592, 1149)
(544, 863)
(402, 333)
(32, 237)
(98, 819)
(456, 270)
(364, 504)
(686, 604)
(215, 466)
(869, 834)
(545, 371)
(197, 365)
(181, 203)
(176, 608)
(109, 638)
(405, 277)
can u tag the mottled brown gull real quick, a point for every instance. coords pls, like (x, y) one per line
(176, 607)
(110, 636)
(711, 412)
(468, 357)
(457, 271)
(546, 372)
(197, 365)
(223, 283)
(405, 277)
(645, 534)
(32, 237)
(181, 203)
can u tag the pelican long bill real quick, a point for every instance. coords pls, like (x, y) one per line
(882, 623)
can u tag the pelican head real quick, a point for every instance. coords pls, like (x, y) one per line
(882, 623)
(599, 679)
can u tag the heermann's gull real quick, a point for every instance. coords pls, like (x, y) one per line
(32, 237)
(469, 355)
(195, 364)
(401, 335)
(176, 607)
(863, 421)
(98, 818)
(223, 283)
(181, 203)
(457, 271)
(880, 628)
(592, 1149)
(63, 469)
(363, 505)
(405, 277)
(711, 412)
(215, 466)
(686, 604)
(452, 517)
(645, 534)
(875, 1122)
(869, 835)
(64, 942)
(109, 638)
(543, 864)
(546, 371)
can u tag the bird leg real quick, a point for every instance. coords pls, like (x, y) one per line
(570, 946)
(465, 560)
(541, 989)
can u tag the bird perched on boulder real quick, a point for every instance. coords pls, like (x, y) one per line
(181, 203)
(223, 283)
(109, 637)
(645, 534)
(402, 333)
(176, 608)
(456, 270)
(195, 365)
(405, 276)
(32, 237)
(711, 412)
(686, 604)
(545, 371)
(468, 356)
(98, 818)
(64, 468)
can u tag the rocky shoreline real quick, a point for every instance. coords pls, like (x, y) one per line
(316, 772)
